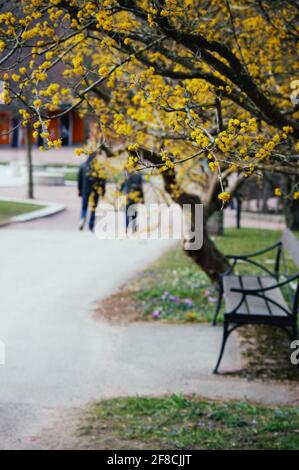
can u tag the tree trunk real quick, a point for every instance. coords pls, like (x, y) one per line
(215, 223)
(30, 189)
(238, 211)
(292, 214)
(291, 206)
(209, 258)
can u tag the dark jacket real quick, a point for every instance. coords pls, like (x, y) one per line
(88, 181)
(133, 184)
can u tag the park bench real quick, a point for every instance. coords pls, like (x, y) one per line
(261, 300)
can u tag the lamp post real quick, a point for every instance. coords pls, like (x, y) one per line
(30, 185)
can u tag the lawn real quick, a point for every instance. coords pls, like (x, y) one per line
(9, 209)
(71, 176)
(70, 171)
(187, 422)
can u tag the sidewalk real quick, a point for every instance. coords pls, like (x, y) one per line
(62, 156)
(255, 220)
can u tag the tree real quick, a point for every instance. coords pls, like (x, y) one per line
(197, 90)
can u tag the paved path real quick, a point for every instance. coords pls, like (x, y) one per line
(55, 354)
(58, 357)
(255, 220)
(63, 156)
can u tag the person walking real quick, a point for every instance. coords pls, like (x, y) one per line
(132, 188)
(91, 185)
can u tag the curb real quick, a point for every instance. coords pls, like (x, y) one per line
(50, 209)
(4, 224)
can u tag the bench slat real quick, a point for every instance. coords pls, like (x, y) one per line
(253, 305)
(276, 295)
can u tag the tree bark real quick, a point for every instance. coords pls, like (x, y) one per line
(209, 258)
(292, 215)
(291, 206)
(215, 223)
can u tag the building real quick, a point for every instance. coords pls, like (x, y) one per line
(71, 128)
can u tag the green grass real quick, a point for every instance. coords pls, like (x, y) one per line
(187, 422)
(71, 176)
(174, 288)
(9, 209)
(62, 166)
(70, 171)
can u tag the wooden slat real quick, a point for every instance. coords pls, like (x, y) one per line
(276, 295)
(256, 305)
(253, 305)
(291, 244)
(232, 298)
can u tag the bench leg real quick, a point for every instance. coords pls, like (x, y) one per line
(218, 305)
(224, 339)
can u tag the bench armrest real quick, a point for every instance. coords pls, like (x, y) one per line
(247, 258)
(257, 253)
(265, 289)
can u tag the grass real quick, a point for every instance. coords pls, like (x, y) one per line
(187, 422)
(70, 171)
(71, 176)
(9, 209)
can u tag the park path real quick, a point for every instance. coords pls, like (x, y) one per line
(58, 358)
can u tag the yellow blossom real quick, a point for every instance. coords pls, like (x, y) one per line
(103, 71)
(224, 196)
(37, 103)
(214, 166)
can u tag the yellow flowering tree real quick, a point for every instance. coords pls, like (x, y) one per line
(202, 92)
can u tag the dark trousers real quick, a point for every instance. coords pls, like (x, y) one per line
(131, 216)
(93, 197)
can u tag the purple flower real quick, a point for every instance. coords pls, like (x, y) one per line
(212, 299)
(207, 292)
(175, 299)
(165, 294)
(156, 313)
(188, 302)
